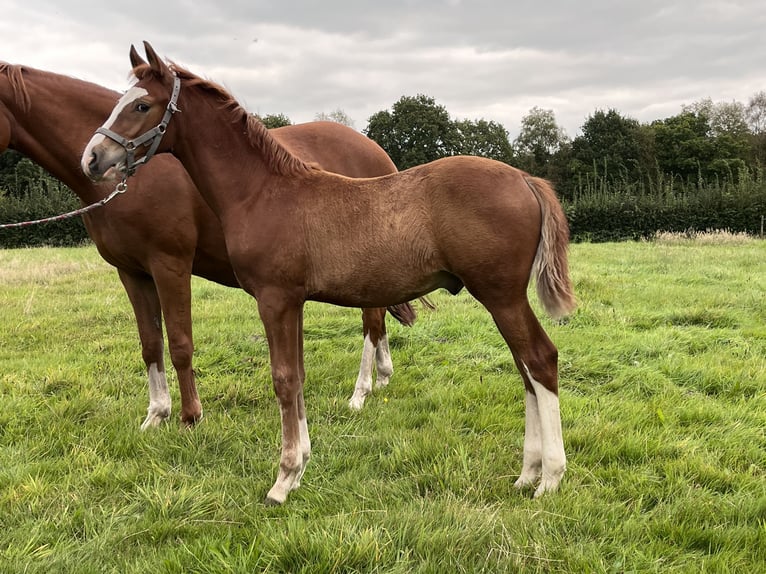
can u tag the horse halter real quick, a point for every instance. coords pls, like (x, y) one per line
(152, 137)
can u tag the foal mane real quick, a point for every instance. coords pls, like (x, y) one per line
(19, 88)
(278, 158)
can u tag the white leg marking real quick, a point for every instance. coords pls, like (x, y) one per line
(533, 444)
(305, 449)
(363, 385)
(291, 463)
(554, 460)
(159, 398)
(384, 363)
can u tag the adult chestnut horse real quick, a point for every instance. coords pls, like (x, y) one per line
(160, 232)
(297, 233)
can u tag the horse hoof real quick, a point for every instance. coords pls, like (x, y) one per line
(271, 502)
(191, 419)
(546, 486)
(356, 403)
(189, 423)
(523, 483)
(382, 382)
(154, 420)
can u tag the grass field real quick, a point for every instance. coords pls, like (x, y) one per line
(663, 375)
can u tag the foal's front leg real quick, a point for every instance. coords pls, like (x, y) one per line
(283, 322)
(142, 293)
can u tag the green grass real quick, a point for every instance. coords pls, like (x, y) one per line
(663, 375)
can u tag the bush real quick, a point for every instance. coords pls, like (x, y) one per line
(42, 198)
(621, 212)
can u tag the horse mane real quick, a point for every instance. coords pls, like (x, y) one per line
(16, 79)
(278, 158)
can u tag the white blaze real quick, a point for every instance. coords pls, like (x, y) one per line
(128, 98)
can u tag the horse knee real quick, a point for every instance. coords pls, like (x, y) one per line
(287, 384)
(152, 352)
(181, 351)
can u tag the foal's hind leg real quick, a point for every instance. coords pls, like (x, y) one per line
(375, 349)
(536, 357)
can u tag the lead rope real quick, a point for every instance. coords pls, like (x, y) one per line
(121, 188)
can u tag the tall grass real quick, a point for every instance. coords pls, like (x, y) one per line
(663, 371)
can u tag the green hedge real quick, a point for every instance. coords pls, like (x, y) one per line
(600, 213)
(45, 198)
(614, 216)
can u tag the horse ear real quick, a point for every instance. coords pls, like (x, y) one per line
(155, 61)
(135, 59)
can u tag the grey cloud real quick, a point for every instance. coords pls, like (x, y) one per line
(483, 58)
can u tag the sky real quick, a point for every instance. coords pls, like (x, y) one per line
(480, 59)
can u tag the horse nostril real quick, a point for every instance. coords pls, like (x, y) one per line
(93, 161)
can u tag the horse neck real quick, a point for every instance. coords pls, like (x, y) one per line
(53, 129)
(229, 161)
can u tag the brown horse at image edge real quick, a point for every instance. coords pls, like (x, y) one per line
(295, 233)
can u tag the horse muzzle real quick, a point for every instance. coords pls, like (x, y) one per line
(104, 164)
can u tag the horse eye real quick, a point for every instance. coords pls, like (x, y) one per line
(142, 107)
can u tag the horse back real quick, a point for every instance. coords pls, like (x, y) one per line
(336, 148)
(450, 217)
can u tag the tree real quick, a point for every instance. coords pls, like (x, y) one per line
(9, 159)
(18, 173)
(756, 119)
(539, 139)
(729, 134)
(272, 121)
(756, 113)
(338, 116)
(723, 117)
(415, 131)
(483, 138)
(609, 148)
(683, 145)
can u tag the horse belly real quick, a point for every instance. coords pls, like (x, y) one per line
(388, 273)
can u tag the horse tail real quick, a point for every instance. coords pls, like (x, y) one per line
(405, 312)
(551, 267)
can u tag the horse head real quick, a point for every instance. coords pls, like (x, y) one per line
(138, 125)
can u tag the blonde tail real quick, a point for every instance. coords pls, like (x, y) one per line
(551, 266)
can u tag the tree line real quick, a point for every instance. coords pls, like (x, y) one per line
(705, 142)
(618, 178)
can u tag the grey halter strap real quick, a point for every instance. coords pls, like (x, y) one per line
(152, 137)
